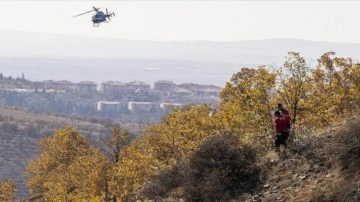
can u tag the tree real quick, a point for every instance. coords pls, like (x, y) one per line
(112, 146)
(7, 190)
(246, 106)
(135, 167)
(181, 131)
(292, 83)
(67, 169)
(348, 83)
(293, 86)
(334, 88)
(162, 146)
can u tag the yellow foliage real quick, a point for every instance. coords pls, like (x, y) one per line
(112, 146)
(334, 89)
(173, 139)
(67, 169)
(246, 106)
(136, 164)
(316, 97)
(180, 132)
(7, 190)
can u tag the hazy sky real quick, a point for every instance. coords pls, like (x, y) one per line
(335, 21)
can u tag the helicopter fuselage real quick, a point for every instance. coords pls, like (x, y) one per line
(99, 17)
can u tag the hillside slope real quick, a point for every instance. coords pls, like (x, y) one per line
(316, 168)
(324, 167)
(20, 133)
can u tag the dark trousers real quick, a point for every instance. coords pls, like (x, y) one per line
(281, 139)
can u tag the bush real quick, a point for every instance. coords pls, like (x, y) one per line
(166, 181)
(221, 170)
(349, 140)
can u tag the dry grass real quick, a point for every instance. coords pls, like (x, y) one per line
(317, 168)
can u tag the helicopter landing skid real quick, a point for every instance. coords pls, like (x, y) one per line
(96, 24)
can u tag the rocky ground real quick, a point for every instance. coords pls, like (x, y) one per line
(318, 168)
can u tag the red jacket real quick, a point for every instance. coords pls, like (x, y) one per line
(285, 114)
(281, 124)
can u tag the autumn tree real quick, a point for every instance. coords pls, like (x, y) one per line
(66, 169)
(293, 78)
(135, 167)
(317, 96)
(348, 83)
(163, 145)
(333, 89)
(246, 106)
(111, 147)
(179, 133)
(293, 87)
(7, 190)
(323, 97)
(118, 140)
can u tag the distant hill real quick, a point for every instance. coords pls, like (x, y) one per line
(27, 44)
(43, 56)
(124, 70)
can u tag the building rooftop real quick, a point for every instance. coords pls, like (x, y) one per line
(163, 81)
(87, 83)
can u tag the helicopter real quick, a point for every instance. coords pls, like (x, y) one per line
(99, 17)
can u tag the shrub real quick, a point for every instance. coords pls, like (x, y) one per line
(166, 181)
(222, 170)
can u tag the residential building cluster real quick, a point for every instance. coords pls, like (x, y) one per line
(110, 99)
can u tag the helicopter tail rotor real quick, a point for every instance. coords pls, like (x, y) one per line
(108, 15)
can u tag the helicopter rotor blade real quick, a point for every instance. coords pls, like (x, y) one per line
(83, 13)
(96, 9)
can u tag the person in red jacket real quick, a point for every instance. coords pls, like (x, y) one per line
(285, 113)
(282, 132)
